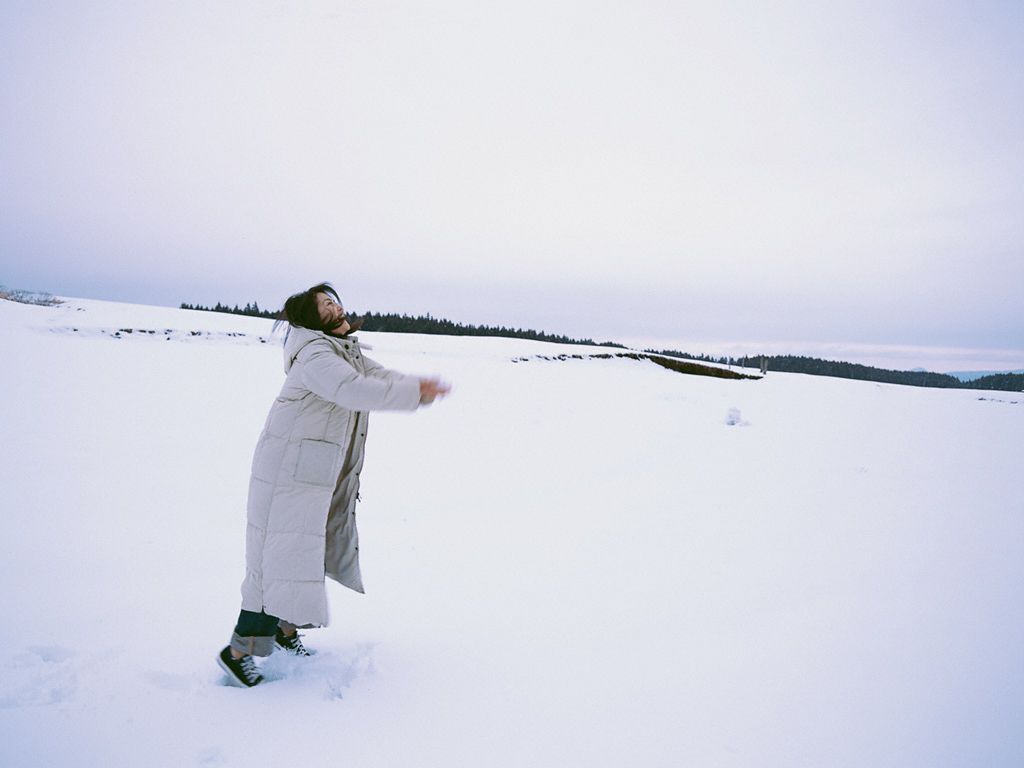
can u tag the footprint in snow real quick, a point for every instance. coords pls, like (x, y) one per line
(735, 419)
(170, 681)
(38, 676)
(335, 670)
(211, 757)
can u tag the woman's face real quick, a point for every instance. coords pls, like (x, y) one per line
(330, 312)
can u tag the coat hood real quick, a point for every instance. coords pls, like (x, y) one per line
(296, 338)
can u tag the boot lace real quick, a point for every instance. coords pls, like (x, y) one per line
(293, 643)
(248, 667)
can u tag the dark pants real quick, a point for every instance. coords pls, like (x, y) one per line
(254, 633)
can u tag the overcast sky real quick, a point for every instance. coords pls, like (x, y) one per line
(752, 171)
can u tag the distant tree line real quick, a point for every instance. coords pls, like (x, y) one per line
(841, 370)
(391, 322)
(818, 367)
(253, 310)
(1012, 382)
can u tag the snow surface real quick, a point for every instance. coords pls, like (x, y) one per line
(568, 563)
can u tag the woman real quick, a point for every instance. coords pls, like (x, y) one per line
(305, 479)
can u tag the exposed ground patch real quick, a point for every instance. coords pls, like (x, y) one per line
(673, 364)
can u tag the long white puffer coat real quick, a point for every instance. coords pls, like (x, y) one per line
(305, 475)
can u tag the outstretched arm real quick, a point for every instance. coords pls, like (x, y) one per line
(430, 389)
(332, 378)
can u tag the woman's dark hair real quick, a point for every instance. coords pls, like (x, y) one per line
(301, 311)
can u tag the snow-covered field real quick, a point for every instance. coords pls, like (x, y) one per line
(568, 563)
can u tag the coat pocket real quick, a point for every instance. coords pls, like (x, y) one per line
(317, 462)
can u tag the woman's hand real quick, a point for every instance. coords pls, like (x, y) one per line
(431, 389)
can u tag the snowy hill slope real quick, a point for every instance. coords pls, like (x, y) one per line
(580, 562)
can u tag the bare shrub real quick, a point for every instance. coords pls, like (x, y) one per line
(29, 297)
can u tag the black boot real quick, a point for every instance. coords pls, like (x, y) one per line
(291, 643)
(242, 672)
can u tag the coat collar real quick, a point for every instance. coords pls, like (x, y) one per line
(296, 338)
